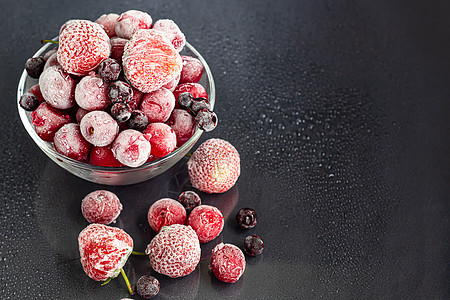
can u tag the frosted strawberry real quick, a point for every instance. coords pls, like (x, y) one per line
(174, 251)
(83, 45)
(104, 250)
(214, 167)
(150, 60)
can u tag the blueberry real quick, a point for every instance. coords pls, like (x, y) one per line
(120, 112)
(189, 200)
(253, 245)
(109, 70)
(120, 91)
(147, 286)
(185, 100)
(246, 217)
(35, 66)
(29, 101)
(138, 120)
(206, 120)
(199, 104)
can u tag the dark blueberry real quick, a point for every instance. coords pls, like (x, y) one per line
(206, 120)
(138, 120)
(29, 101)
(189, 200)
(246, 217)
(185, 99)
(109, 70)
(120, 91)
(35, 66)
(253, 245)
(147, 286)
(199, 104)
(120, 112)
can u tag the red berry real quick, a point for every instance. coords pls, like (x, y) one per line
(207, 222)
(103, 156)
(91, 93)
(196, 89)
(172, 32)
(131, 21)
(69, 142)
(253, 245)
(101, 207)
(162, 138)
(117, 47)
(104, 250)
(183, 123)
(36, 90)
(227, 262)
(165, 212)
(47, 120)
(131, 148)
(158, 105)
(108, 21)
(99, 128)
(214, 167)
(57, 87)
(174, 251)
(192, 70)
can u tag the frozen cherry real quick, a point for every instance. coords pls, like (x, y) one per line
(131, 148)
(117, 46)
(198, 104)
(162, 138)
(138, 120)
(253, 245)
(29, 101)
(185, 100)
(69, 142)
(192, 70)
(147, 286)
(57, 87)
(91, 93)
(158, 105)
(99, 128)
(207, 222)
(108, 21)
(47, 120)
(103, 156)
(120, 111)
(183, 123)
(109, 70)
(189, 200)
(206, 120)
(136, 99)
(165, 212)
(35, 66)
(246, 217)
(120, 91)
(101, 207)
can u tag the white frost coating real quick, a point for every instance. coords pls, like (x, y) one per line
(131, 148)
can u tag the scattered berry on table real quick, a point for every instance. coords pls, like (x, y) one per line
(253, 245)
(189, 200)
(99, 128)
(131, 148)
(120, 91)
(69, 142)
(104, 250)
(227, 262)
(91, 93)
(214, 167)
(207, 221)
(109, 70)
(158, 105)
(196, 89)
(101, 207)
(57, 87)
(174, 251)
(108, 21)
(192, 70)
(131, 21)
(35, 66)
(162, 138)
(165, 212)
(138, 120)
(206, 120)
(147, 286)
(47, 120)
(183, 123)
(185, 100)
(120, 112)
(172, 32)
(103, 156)
(246, 218)
(29, 101)
(199, 104)
(83, 45)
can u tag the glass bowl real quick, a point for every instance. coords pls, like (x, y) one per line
(113, 175)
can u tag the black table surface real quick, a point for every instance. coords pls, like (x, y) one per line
(339, 110)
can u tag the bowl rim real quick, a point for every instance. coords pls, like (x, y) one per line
(123, 169)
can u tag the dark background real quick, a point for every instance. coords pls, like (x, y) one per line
(339, 110)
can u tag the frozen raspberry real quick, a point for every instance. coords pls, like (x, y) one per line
(103, 156)
(150, 61)
(246, 218)
(29, 101)
(108, 21)
(183, 123)
(35, 66)
(206, 120)
(69, 142)
(162, 138)
(101, 207)
(165, 212)
(253, 245)
(158, 105)
(47, 120)
(109, 70)
(131, 148)
(83, 45)
(196, 89)
(137, 121)
(227, 262)
(131, 21)
(172, 32)
(171, 85)
(189, 200)
(192, 70)
(104, 250)
(174, 251)
(99, 128)
(120, 91)
(207, 222)
(117, 47)
(36, 90)
(214, 167)
(57, 87)
(51, 61)
(91, 93)
(136, 99)
(120, 112)
(81, 112)
(147, 286)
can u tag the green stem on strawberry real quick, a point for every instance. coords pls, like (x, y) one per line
(49, 41)
(107, 281)
(138, 253)
(188, 155)
(127, 281)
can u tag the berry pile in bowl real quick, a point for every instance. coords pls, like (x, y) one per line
(118, 100)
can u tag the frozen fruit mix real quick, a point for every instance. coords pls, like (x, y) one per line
(105, 75)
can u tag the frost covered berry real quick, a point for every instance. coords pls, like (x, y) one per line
(147, 286)
(207, 222)
(35, 66)
(246, 218)
(101, 207)
(109, 70)
(165, 212)
(253, 245)
(227, 262)
(29, 101)
(189, 200)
